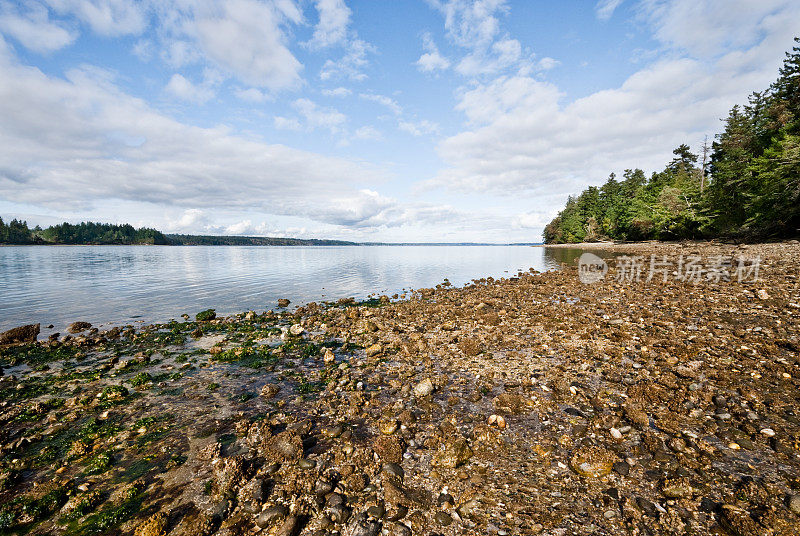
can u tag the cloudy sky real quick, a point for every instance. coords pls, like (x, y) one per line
(412, 120)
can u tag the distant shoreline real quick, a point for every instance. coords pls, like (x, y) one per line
(363, 244)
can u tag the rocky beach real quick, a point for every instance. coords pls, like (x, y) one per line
(533, 404)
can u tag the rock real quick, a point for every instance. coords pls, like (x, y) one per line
(286, 446)
(77, 327)
(443, 519)
(206, 316)
(228, 474)
(21, 334)
(155, 525)
(794, 503)
(360, 525)
(288, 527)
(328, 356)
(283, 302)
(375, 349)
(738, 522)
(509, 403)
(636, 414)
(593, 462)
(269, 391)
(389, 448)
(677, 488)
(271, 515)
(622, 468)
(454, 453)
(498, 421)
(762, 294)
(423, 388)
(296, 330)
(398, 529)
(393, 471)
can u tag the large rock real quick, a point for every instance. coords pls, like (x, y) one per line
(77, 327)
(20, 335)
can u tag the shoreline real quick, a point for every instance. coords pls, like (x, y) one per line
(528, 404)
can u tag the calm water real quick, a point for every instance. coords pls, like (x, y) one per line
(123, 284)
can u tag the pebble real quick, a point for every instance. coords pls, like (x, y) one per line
(423, 388)
(794, 503)
(769, 432)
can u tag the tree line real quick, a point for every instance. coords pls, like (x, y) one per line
(745, 185)
(17, 232)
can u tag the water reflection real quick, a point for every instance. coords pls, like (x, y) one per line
(58, 285)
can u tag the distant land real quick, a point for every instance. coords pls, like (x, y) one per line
(17, 232)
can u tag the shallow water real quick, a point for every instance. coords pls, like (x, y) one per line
(123, 284)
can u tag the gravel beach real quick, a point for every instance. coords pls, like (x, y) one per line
(657, 401)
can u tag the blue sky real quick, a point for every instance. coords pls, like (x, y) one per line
(413, 120)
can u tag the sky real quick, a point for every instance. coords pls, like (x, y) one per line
(364, 120)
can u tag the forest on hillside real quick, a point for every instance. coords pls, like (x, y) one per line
(745, 185)
(17, 232)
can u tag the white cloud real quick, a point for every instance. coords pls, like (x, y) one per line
(85, 142)
(432, 60)
(351, 65)
(287, 123)
(245, 38)
(711, 27)
(474, 26)
(368, 133)
(383, 100)
(337, 92)
(334, 17)
(524, 139)
(318, 117)
(105, 17)
(252, 95)
(545, 64)
(604, 9)
(471, 23)
(184, 89)
(418, 128)
(34, 29)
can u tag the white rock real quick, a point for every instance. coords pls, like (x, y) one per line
(769, 432)
(296, 330)
(423, 388)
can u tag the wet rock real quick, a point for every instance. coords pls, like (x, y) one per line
(443, 519)
(296, 330)
(423, 388)
(360, 525)
(328, 356)
(283, 302)
(272, 515)
(228, 474)
(156, 525)
(289, 527)
(592, 462)
(509, 403)
(794, 503)
(677, 488)
(286, 446)
(454, 453)
(738, 521)
(77, 327)
(20, 334)
(374, 350)
(636, 414)
(398, 529)
(270, 391)
(393, 471)
(622, 468)
(389, 448)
